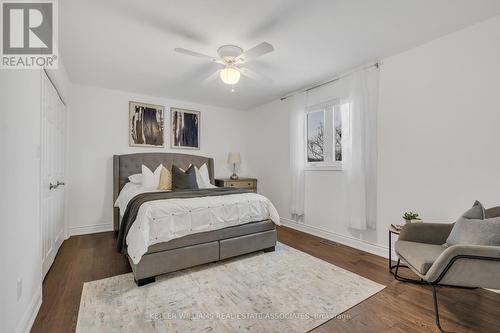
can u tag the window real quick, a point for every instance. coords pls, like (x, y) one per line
(316, 136)
(324, 136)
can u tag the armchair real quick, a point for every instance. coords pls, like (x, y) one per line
(422, 247)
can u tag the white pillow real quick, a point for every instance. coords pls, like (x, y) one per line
(135, 179)
(151, 180)
(204, 177)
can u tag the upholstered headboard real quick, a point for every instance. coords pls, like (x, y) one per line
(126, 165)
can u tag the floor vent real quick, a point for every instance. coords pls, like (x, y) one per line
(330, 243)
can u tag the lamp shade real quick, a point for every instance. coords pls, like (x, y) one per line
(233, 158)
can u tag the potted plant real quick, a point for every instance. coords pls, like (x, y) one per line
(410, 217)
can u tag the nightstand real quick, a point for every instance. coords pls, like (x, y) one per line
(246, 183)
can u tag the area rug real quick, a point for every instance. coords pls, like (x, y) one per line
(282, 291)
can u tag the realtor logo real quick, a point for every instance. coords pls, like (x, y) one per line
(29, 34)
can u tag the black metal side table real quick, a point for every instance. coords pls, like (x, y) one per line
(392, 231)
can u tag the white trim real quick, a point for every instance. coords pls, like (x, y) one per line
(381, 251)
(90, 229)
(29, 316)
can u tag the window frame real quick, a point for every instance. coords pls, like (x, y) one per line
(329, 163)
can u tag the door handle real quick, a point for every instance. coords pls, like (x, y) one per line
(60, 183)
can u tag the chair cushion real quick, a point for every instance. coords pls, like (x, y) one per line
(419, 256)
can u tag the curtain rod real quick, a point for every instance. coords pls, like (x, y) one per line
(376, 65)
(55, 87)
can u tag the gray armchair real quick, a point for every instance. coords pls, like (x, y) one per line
(422, 247)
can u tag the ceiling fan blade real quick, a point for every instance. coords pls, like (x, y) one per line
(211, 78)
(256, 51)
(255, 76)
(195, 54)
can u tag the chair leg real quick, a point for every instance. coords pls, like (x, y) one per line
(396, 276)
(403, 279)
(436, 310)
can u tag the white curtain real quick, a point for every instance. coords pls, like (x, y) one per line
(296, 111)
(359, 143)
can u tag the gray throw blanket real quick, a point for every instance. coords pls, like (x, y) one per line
(133, 206)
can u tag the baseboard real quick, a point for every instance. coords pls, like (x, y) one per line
(359, 244)
(90, 229)
(29, 316)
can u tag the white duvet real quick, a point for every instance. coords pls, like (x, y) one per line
(163, 220)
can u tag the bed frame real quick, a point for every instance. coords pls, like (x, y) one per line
(190, 250)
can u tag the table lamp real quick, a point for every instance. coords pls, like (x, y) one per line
(234, 158)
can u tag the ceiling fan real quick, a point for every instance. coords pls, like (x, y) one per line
(233, 57)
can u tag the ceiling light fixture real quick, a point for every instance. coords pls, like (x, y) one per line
(230, 75)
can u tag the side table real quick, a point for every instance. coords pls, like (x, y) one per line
(396, 232)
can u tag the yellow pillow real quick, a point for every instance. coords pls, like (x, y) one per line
(165, 179)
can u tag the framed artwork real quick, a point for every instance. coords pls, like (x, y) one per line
(146, 125)
(185, 129)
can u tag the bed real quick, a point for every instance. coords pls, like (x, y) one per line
(195, 248)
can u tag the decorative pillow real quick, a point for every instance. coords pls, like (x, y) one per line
(135, 179)
(165, 180)
(475, 232)
(184, 180)
(199, 180)
(151, 180)
(473, 228)
(205, 178)
(476, 212)
(202, 177)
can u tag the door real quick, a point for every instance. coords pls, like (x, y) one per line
(53, 149)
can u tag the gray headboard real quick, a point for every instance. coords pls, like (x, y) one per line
(126, 165)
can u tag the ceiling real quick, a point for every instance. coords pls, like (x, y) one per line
(128, 44)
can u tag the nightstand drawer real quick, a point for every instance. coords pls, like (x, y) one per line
(244, 183)
(240, 184)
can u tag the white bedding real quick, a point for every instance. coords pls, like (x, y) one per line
(163, 220)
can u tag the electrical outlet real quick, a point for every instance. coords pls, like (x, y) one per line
(19, 289)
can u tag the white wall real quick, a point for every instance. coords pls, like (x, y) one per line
(98, 127)
(438, 140)
(20, 246)
(439, 126)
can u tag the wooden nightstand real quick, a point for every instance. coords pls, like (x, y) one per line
(247, 183)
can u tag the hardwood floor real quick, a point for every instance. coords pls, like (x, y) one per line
(398, 308)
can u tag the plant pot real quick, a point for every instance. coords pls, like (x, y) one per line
(413, 221)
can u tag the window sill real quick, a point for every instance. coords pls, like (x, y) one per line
(324, 168)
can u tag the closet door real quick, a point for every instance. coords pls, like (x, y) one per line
(53, 148)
